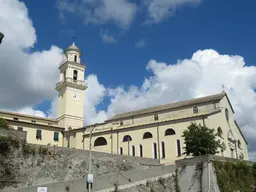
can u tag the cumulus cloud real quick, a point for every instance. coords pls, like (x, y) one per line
(161, 9)
(94, 96)
(107, 37)
(31, 111)
(120, 12)
(26, 77)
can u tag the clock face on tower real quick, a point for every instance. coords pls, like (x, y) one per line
(75, 96)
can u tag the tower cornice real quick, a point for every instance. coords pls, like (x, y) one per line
(64, 64)
(69, 82)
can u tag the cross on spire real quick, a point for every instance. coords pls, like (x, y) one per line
(74, 38)
(223, 87)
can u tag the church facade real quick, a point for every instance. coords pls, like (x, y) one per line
(154, 132)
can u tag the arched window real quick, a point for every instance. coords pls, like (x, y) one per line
(127, 138)
(75, 74)
(239, 144)
(141, 150)
(227, 114)
(154, 151)
(195, 110)
(121, 151)
(178, 148)
(133, 150)
(147, 135)
(121, 123)
(169, 132)
(220, 132)
(100, 141)
(156, 117)
(75, 58)
(163, 150)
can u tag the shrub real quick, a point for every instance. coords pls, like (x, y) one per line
(43, 151)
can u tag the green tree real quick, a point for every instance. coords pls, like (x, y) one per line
(200, 140)
(3, 124)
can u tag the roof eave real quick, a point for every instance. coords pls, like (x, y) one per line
(241, 132)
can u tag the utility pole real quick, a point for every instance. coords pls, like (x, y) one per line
(1, 37)
(90, 175)
(69, 129)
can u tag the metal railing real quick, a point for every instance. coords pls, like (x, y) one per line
(70, 80)
(65, 60)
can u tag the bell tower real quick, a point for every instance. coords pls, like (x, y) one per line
(71, 88)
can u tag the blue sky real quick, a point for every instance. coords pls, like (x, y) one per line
(227, 27)
(139, 53)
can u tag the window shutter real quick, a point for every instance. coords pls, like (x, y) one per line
(56, 136)
(39, 134)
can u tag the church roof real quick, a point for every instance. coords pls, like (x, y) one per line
(210, 98)
(73, 47)
(27, 116)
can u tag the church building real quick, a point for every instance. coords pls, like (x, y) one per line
(154, 132)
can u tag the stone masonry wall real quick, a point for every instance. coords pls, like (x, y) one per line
(62, 164)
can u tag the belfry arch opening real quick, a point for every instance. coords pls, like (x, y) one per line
(75, 75)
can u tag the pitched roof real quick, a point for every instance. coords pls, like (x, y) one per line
(210, 98)
(27, 116)
(241, 132)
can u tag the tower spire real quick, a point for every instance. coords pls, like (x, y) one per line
(223, 88)
(73, 38)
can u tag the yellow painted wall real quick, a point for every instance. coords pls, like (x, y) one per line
(47, 133)
(213, 121)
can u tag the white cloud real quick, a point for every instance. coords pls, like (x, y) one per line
(26, 77)
(161, 9)
(120, 12)
(31, 111)
(94, 95)
(140, 43)
(107, 37)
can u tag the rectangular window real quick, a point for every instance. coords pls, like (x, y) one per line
(20, 128)
(232, 153)
(163, 150)
(15, 118)
(38, 134)
(141, 151)
(178, 148)
(154, 151)
(133, 150)
(56, 136)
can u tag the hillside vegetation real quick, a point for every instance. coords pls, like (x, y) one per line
(236, 176)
